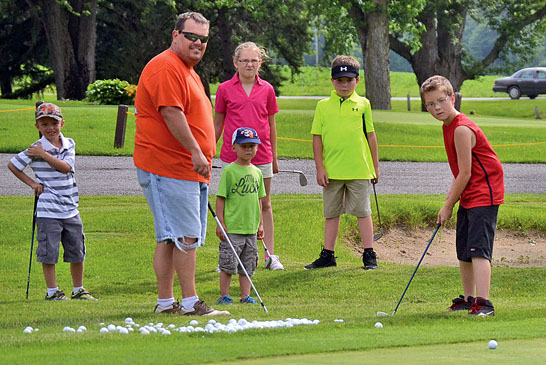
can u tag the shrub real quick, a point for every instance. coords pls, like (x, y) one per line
(114, 92)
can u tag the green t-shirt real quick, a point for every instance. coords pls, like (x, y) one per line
(339, 122)
(242, 187)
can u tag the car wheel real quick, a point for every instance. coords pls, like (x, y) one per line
(532, 96)
(514, 92)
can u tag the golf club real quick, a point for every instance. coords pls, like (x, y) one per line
(303, 179)
(237, 256)
(423, 256)
(379, 234)
(32, 241)
(267, 252)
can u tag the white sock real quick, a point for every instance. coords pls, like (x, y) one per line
(189, 302)
(51, 291)
(165, 302)
(76, 289)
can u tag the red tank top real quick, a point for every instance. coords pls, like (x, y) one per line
(486, 184)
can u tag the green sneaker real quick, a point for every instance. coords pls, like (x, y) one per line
(58, 295)
(83, 294)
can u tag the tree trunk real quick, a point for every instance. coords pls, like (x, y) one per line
(225, 32)
(71, 40)
(373, 34)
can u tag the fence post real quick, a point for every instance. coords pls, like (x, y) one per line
(537, 112)
(458, 100)
(121, 124)
(409, 103)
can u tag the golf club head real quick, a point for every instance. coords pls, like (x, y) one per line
(303, 179)
(377, 236)
(380, 314)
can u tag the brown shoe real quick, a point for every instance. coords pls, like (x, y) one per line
(201, 309)
(173, 308)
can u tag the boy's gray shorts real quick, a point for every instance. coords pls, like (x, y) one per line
(247, 250)
(53, 231)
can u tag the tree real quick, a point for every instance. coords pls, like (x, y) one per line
(70, 28)
(519, 25)
(23, 53)
(372, 20)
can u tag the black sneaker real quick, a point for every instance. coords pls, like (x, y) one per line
(326, 259)
(481, 307)
(369, 259)
(459, 304)
(58, 295)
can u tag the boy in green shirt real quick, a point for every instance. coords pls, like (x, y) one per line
(345, 150)
(238, 207)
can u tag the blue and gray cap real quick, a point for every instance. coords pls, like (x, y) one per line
(245, 135)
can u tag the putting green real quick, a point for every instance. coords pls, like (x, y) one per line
(531, 351)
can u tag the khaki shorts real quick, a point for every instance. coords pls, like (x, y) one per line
(347, 196)
(247, 250)
(266, 169)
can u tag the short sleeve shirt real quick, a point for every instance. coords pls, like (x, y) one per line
(340, 123)
(60, 197)
(242, 187)
(251, 111)
(167, 81)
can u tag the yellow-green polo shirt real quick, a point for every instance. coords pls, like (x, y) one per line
(345, 153)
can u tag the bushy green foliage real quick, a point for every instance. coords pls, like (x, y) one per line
(111, 92)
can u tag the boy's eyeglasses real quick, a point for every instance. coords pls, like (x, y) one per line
(246, 62)
(439, 103)
(194, 37)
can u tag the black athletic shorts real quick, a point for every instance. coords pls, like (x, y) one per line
(476, 232)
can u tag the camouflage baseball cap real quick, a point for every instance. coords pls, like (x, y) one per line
(48, 110)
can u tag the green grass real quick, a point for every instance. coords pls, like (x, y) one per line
(402, 136)
(119, 238)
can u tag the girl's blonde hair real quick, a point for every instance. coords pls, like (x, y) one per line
(252, 46)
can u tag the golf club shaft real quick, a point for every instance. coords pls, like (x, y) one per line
(237, 256)
(417, 267)
(32, 241)
(265, 248)
(377, 207)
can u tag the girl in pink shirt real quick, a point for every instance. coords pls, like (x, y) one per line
(248, 101)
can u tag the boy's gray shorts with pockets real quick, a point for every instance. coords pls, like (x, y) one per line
(53, 231)
(247, 250)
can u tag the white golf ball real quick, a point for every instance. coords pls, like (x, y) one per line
(338, 320)
(128, 319)
(104, 330)
(193, 322)
(27, 330)
(123, 331)
(82, 328)
(492, 344)
(378, 325)
(69, 329)
(144, 331)
(111, 327)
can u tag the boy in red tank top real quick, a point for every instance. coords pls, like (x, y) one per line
(478, 186)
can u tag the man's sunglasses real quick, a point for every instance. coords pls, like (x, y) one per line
(194, 37)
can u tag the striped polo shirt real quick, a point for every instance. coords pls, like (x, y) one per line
(60, 196)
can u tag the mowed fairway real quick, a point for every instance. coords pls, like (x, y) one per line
(119, 272)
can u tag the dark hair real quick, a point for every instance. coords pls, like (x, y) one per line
(195, 16)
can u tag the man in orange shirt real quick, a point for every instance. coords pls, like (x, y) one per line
(174, 146)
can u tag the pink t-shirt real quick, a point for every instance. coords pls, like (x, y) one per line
(251, 111)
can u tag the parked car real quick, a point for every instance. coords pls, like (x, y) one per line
(528, 81)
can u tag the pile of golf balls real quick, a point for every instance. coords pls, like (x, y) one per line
(211, 326)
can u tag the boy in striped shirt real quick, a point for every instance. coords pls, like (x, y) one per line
(52, 159)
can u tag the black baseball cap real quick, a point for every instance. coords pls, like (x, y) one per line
(344, 71)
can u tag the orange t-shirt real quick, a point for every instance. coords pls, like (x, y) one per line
(167, 81)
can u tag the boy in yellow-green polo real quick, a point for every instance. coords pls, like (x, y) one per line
(345, 150)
